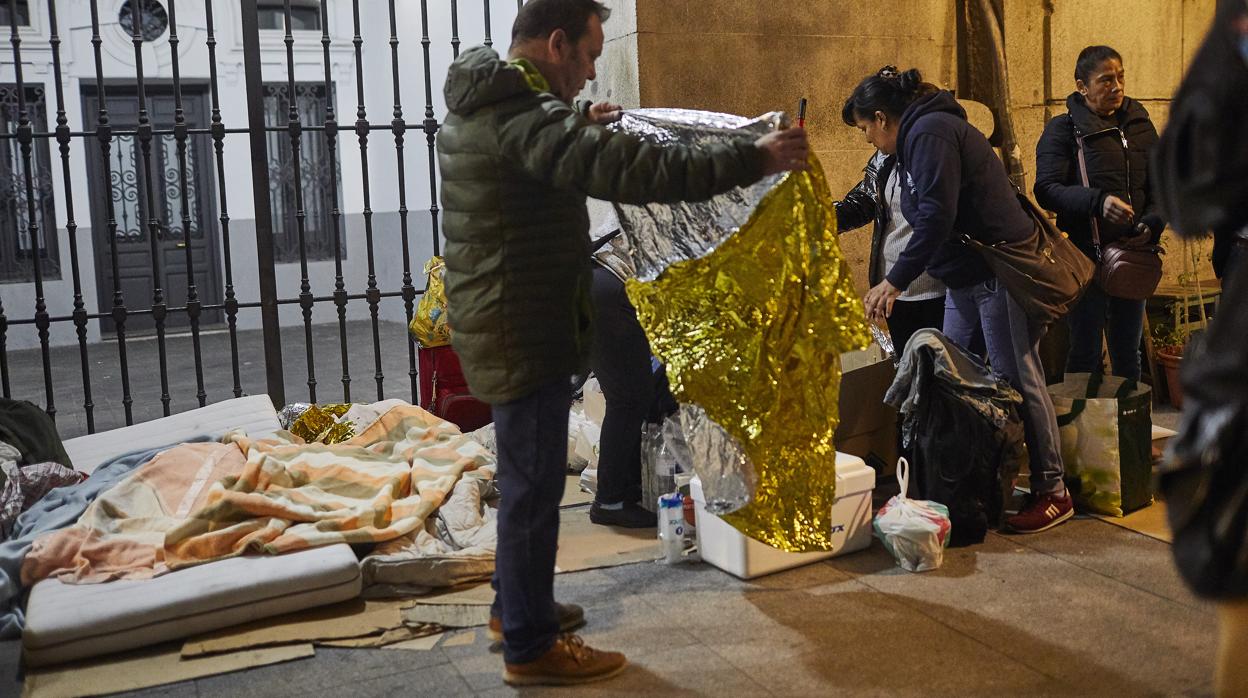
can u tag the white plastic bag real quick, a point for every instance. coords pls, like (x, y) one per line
(915, 531)
(583, 440)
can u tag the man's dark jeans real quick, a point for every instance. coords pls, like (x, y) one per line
(532, 442)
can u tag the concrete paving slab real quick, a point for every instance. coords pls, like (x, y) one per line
(1069, 622)
(1127, 556)
(330, 668)
(437, 680)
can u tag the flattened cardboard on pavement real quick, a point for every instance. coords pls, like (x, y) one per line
(399, 635)
(573, 495)
(479, 594)
(463, 639)
(422, 644)
(448, 615)
(153, 666)
(1150, 521)
(355, 618)
(586, 546)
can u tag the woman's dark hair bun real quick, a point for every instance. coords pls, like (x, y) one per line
(888, 91)
(911, 81)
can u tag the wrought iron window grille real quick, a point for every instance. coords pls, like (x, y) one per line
(18, 242)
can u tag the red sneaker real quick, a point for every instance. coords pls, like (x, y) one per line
(1041, 514)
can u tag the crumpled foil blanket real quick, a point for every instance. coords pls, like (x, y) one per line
(662, 234)
(749, 303)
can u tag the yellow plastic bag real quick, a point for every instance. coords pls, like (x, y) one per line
(429, 325)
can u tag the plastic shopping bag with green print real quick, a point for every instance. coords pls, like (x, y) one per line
(1106, 430)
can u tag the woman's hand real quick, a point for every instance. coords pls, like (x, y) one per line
(1116, 210)
(879, 302)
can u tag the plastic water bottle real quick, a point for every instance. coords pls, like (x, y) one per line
(672, 527)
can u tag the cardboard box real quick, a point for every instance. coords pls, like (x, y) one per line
(868, 427)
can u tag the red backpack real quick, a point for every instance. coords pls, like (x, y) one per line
(444, 392)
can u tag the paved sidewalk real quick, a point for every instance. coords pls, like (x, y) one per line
(1086, 609)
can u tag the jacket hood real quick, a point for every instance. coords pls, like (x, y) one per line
(935, 103)
(1088, 121)
(479, 78)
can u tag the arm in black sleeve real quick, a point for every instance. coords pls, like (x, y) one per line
(858, 207)
(1055, 160)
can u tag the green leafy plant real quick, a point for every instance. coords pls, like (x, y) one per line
(1171, 338)
(1168, 339)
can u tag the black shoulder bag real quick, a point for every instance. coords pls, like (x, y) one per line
(1045, 273)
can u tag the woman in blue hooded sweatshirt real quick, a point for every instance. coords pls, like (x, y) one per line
(955, 181)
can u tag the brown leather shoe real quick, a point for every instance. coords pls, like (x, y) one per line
(570, 615)
(568, 662)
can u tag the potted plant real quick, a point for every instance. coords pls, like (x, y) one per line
(1168, 343)
(1170, 340)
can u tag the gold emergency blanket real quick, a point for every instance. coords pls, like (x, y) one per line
(753, 332)
(320, 424)
(429, 324)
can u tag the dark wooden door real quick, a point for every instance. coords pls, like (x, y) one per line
(129, 177)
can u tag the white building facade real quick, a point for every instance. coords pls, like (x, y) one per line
(153, 223)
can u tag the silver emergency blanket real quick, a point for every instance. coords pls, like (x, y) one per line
(885, 342)
(292, 412)
(662, 234)
(658, 235)
(727, 475)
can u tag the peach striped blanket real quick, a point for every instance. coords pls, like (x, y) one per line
(199, 502)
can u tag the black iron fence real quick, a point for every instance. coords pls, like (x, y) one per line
(150, 220)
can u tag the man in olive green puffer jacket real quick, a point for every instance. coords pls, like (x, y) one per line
(517, 163)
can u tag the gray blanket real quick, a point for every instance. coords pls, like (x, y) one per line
(988, 392)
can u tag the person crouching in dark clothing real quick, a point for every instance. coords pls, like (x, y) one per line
(635, 392)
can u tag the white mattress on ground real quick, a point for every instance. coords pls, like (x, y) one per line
(67, 621)
(254, 414)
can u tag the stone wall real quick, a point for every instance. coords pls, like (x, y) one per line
(1156, 38)
(750, 57)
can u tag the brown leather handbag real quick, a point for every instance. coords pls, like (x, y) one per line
(1129, 268)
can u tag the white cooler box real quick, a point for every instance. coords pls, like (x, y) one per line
(735, 553)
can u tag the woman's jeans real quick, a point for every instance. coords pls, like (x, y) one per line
(1014, 352)
(1119, 320)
